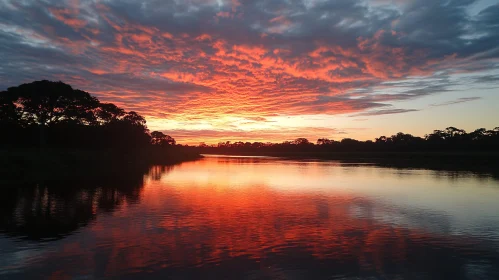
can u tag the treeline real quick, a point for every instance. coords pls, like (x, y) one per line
(54, 115)
(450, 139)
(50, 118)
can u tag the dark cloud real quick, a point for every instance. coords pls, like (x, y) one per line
(486, 79)
(457, 101)
(385, 112)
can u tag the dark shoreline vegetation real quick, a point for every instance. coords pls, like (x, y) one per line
(51, 130)
(450, 149)
(448, 144)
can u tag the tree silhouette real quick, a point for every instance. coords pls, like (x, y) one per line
(449, 139)
(324, 141)
(44, 103)
(453, 132)
(8, 111)
(160, 139)
(108, 112)
(65, 117)
(382, 140)
(301, 141)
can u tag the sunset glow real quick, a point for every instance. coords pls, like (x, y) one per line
(244, 70)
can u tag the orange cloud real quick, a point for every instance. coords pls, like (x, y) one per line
(68, 17)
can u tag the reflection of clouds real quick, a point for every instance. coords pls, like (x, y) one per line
(198, 226)
(443, 201)
(55, 209)
(179, 225)
(405, 217)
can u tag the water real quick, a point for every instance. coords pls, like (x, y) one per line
(254, 218)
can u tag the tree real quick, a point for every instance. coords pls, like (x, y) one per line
(324, 141)
(478, 134)
(349, 141)
(108, 112)
(44, 103)
(382, 140)
(8, 111)
(454, 132)
(436, 136)
(160, 139)
(134, 119)
(404, 138)
(301, 141)
(72, 117)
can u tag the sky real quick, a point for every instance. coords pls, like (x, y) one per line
(258, 70)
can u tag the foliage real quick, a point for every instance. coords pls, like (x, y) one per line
(53, 114)
(449, 139)
(161, 139)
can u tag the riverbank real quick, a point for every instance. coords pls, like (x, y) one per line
(494, 155)
(33, 164)
(476, 162)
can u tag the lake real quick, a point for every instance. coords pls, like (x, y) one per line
(254, 218)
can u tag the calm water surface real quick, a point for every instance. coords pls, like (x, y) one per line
(254, 218)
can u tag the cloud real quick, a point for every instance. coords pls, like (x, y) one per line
(205, 59)
(457, 101)
(385, 112)
(486, 79)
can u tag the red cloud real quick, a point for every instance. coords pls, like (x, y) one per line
(68, 17)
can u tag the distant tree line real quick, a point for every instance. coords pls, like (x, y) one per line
(449, 139)
(45, 114)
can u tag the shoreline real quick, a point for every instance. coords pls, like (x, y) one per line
(28, 165)
(31, 165)
(494, 155)
(475, 162)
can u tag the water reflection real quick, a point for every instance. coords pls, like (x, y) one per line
(53, 209)
(247, 218)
